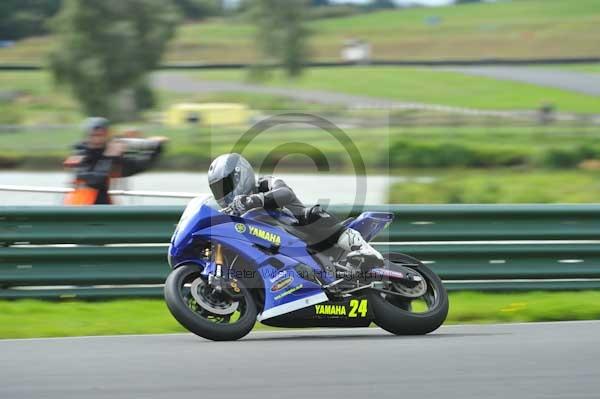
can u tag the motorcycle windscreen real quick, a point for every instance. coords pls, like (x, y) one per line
(189, 218)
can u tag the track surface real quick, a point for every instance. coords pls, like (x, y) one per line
(586, 83)
(178, 83)
(544, 360)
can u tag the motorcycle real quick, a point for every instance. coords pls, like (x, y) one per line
(230, 271)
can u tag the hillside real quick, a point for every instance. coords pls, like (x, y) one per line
(518, 28)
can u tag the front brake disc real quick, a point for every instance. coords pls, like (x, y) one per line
(212, 305)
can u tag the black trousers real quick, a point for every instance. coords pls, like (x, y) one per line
(321, 230)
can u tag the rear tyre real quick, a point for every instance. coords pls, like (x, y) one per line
(184, 306)
(396, 315)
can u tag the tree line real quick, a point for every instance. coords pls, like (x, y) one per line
(106, 49)
(24, 18)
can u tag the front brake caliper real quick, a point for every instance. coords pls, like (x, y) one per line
(226, 286)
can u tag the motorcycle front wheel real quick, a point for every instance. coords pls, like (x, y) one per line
(205, 312)
(411, 315)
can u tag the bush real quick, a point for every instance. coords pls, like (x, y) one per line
(19, 18)
(185, 159)
(568, 157)
(412, 153)
(333, 11)
(199, 9)
(42, 161)
(466, 187)
(11, 114)
(9, 161)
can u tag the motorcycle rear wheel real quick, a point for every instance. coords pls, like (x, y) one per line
(184, 307)
(396, 315)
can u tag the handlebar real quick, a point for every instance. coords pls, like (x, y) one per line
(229, 211)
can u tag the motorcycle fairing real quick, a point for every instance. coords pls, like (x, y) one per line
(369, 224)
(347, 312)
(265, 246)
(287, 291)
(272, 251)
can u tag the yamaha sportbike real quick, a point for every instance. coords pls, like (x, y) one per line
(229, 271)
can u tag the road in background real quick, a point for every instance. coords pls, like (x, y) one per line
(545, 360)
(581, 82)
(180, 83)
(587, 83)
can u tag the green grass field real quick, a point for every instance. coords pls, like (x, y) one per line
(30, 318)
(36, 101)
(423, 85)
(396, 150)
(523, 28)
(34, 98)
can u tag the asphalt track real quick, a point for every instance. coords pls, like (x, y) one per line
(586, 83)
(178, 83)
(542, 360)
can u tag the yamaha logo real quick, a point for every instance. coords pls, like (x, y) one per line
(240, 227)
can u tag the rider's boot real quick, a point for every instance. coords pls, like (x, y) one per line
(359, 250)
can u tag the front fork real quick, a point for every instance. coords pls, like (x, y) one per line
(219, 260)
(223, 284)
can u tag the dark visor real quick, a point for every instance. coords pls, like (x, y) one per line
(222, 187)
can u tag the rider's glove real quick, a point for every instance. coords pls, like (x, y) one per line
(243, 203)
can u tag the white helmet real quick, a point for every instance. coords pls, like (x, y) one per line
(230, 175)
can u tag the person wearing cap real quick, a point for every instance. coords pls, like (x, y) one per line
(99, 158)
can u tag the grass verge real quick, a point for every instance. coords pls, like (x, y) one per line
(382, 149)
(32, 98)
(524, 28)
(31, 318)
(425, 85)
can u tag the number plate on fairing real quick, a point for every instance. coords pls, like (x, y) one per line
(351, 312)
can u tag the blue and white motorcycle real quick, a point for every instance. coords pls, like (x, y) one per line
(229, 271)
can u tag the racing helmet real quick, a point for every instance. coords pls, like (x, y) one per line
(230, 175)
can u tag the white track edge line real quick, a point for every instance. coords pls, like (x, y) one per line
(303, 330)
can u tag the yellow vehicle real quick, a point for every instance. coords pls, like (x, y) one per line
(208, 114)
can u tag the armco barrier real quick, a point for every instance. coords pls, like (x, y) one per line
(99, 252)
(377, 62)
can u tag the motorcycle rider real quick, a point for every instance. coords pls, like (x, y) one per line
(233, 183)
(99, 158)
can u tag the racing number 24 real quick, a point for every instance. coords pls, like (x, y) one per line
(356, 307)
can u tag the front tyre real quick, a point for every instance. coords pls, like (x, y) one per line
(418, 316)
(205, 312)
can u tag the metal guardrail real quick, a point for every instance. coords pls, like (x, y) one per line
(125, 193)
(375, 62)
(101, 252)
